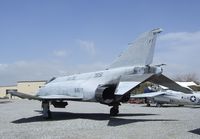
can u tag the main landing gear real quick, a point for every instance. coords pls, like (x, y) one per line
(114, 110)
(147, 102)
(45, 110)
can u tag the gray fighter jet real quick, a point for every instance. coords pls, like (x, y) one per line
(110, 86)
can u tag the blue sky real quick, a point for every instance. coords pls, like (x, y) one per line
(44, 38)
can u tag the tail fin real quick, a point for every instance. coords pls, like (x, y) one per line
(140, 52)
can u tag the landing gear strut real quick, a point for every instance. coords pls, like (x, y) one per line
(45, 110)
(114, 110)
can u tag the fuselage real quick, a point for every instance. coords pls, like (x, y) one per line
(174, 97)
(84, 85)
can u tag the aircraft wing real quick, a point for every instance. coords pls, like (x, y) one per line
(23, 95)
(147, 95)
(59, 97)
(48, 97)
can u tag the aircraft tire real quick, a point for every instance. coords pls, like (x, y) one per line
(49, 114)
(180, 105)
(114, 111)
(158, 105)
(148, 105)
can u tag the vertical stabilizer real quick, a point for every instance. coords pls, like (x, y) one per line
(140, 52)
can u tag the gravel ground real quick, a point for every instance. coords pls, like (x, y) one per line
(22, 119)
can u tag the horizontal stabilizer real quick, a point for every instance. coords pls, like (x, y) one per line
(165, 81)
(125, 87)
(129, 82)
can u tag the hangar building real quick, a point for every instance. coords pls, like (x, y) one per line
(28, 87)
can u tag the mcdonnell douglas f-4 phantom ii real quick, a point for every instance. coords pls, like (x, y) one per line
(111, 86)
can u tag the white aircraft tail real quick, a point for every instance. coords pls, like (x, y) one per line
(140, 52)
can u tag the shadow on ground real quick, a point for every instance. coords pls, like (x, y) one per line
(112, 121)
(195, 131)
(174, 106)
(5, 101)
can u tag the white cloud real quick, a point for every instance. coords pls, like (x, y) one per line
(87, 46)
(60, 53)
(181, 36)
(180, 51)
(40, 70)
(3, 67)
(28, 70)
(81, 68)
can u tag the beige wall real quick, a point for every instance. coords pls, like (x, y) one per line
(3, 90)
(29, 87)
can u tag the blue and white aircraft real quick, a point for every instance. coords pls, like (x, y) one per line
(169, 97)
(111, 86)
